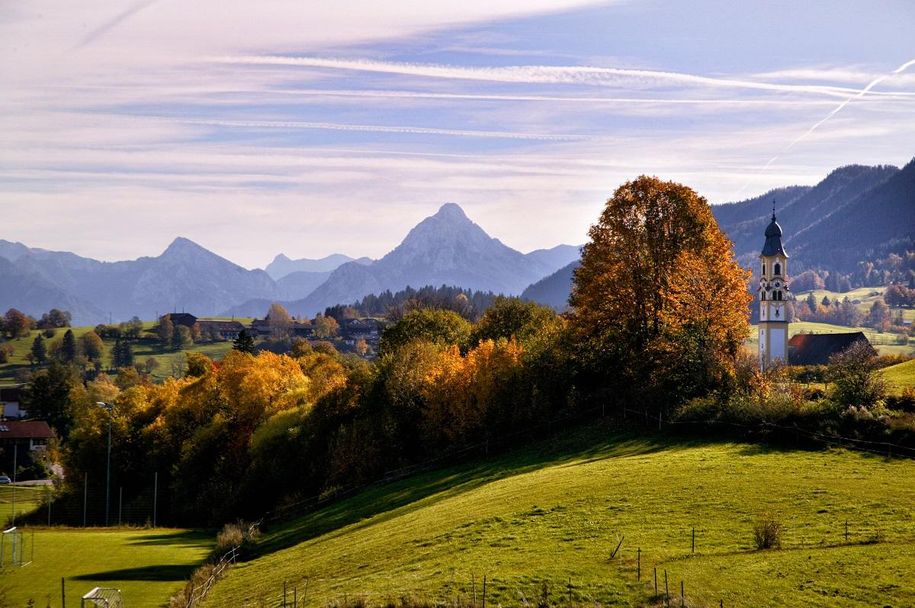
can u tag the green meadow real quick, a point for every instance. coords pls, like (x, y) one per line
(900, 376)
(22, 499)
(168, 362)
(550, 516)
(148, 566)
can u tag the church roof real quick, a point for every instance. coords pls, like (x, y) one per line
(773, 244)
(816, 349)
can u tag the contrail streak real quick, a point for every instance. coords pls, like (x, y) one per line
(114, 22)
(834, 111)
(275, 124)
(533, 74)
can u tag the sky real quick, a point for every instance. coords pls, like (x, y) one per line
(308, 128)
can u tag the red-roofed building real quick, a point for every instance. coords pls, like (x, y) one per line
(30, 434)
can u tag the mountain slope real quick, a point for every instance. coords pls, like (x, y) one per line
(282, 266)
(802, 215)
(184, 277)
(444, 249)
(554, 290)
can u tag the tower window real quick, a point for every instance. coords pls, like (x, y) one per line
(777, 296)
(778, 269)
(764, 269)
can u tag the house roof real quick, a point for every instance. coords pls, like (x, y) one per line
(25, 429)
(220, 325)
(773, 244)
(816, 349)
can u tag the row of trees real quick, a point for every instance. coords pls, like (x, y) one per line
(16, 324)
(658, 320)
(660, 313)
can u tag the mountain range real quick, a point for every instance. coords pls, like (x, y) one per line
(446, 248)
(855, 214)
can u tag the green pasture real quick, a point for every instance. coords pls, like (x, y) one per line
(24, 499)
(901, 376)
(551, 516)
(168, 361)
(862, 297)
(148, 566)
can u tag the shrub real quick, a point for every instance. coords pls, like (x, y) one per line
(767, 533)
(238, 534)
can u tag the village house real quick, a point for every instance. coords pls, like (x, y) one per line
(220, 330)
(25, 434)
(10, 400)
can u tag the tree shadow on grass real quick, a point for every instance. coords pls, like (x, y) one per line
(156, 573)
(382, 502)
(184, 538)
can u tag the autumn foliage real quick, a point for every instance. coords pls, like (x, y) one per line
(659, 302)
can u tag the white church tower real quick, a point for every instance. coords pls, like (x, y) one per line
(773, 298)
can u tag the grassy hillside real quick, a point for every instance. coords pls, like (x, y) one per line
(862, 297)
(555, 512)
(901, 376)
(166, 359)
(148, 566)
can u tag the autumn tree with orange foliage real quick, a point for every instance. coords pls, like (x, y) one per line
(659, 305)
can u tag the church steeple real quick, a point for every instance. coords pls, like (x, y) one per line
(773, 296)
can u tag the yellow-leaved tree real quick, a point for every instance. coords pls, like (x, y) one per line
(659, 304)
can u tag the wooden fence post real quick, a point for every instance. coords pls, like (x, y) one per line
(666, 590)
(638, 564)
(656, 581)
(484, 591)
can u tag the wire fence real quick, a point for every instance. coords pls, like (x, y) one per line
(661, 578)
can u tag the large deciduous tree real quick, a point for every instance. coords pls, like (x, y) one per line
(659, 305)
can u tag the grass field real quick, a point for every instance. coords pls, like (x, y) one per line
(556, 511)
(863, 297)
(900, 377)
(143, 350)
(25, 499)
(148, 566)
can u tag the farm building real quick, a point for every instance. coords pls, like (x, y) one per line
(27, 434)
(816, 349)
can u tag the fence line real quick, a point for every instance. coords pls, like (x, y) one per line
(200, 591)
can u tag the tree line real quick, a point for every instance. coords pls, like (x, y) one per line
(658, 321)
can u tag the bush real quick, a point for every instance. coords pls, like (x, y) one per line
(238, 534)
(767, 533)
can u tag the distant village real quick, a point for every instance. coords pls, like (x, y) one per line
(360, 336)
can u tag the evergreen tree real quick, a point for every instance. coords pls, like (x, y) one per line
(121, 354)
(39, 350)
(68, 350)
(244, 342)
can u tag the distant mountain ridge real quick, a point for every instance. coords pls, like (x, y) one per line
(856, 213)
(446, 248)
(282, 266)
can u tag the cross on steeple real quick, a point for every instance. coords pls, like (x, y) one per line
(773, 210)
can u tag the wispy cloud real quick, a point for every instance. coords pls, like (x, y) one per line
(541, 74)
(402, 130)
